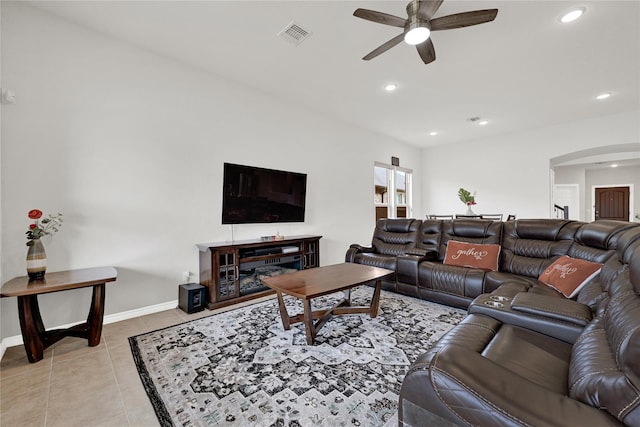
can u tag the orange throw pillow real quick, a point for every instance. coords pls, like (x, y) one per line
(474, 255)
(568, 275)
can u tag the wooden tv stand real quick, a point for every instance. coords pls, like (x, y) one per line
(231, 271)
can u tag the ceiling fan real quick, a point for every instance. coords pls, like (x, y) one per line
(419, 24)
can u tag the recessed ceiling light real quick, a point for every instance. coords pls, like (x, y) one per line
(572, 15)
(390, 87)
(602, 96)
(434, 133)
(614, 165)
(483, 122)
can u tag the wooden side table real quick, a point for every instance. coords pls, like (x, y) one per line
(36, 338)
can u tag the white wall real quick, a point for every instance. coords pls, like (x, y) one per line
(511, 172)
(130, 147)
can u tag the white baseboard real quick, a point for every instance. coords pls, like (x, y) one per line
(110, 318)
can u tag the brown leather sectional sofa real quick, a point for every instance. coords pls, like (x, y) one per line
(525, 355)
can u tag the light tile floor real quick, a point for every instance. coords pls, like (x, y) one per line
(78, 385)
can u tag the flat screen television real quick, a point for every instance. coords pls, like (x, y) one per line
(259, 195)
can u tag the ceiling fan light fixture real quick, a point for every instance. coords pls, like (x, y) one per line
(417, 34)
(419, 24)
(572, 15)
(417, 31)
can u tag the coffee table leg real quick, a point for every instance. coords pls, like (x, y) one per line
(283, 312)
(308, 322)
(347, 297)
(375, 300)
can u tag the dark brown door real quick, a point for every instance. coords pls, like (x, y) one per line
(612, 203)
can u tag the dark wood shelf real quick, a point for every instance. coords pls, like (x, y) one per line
(221, 264)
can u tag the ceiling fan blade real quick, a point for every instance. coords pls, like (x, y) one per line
(380, 17)
(464, 19)
(426, 51)
(428, 8)
(384, 47)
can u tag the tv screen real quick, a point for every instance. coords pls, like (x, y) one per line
(258, 195)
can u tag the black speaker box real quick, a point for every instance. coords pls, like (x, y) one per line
(192, 297)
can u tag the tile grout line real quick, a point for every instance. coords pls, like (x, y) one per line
(46, 409)
(115, 376)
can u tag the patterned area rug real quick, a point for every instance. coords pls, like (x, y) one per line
(241, 368)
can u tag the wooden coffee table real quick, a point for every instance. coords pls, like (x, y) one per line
(315, 282)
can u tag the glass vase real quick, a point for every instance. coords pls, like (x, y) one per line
(36, 260)
(469, 211)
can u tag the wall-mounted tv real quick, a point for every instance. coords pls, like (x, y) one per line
(259, 195)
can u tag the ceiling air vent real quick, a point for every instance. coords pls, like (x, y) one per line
(294, 33)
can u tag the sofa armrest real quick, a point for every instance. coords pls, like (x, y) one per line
(464, 385)
(407, 269)
(500, 308)
(354, 249)
(361, 248)
(565, 310)
(423, 254)
(407, 265)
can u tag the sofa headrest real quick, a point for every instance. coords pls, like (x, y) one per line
(627, 243)
(431, 226)
(602, 234)
(430, 234)
(634, 268)
(544, 229)
(400, 225)
(473, 228)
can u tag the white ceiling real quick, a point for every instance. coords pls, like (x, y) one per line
(524, 70)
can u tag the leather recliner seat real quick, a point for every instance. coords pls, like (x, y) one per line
(490, 372)
(538, 358)
(528, 247)
(450, 284)
(391, 237)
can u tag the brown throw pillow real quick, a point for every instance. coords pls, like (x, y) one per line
(568, 275)
(474, 255)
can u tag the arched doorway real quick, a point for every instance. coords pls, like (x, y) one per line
(575, 177)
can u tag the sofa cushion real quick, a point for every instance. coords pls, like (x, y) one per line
(376, 260)
(540, 359)
(568, 275)
(449, 280)
(475, 255)
(604, 370)
(494, 279)
(602, 234)
(470, 231)
(529, 246)
(430, 235)
(395, 236)
(486, 373)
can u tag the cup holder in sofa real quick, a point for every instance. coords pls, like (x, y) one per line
(494, 304)
(499, 298)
